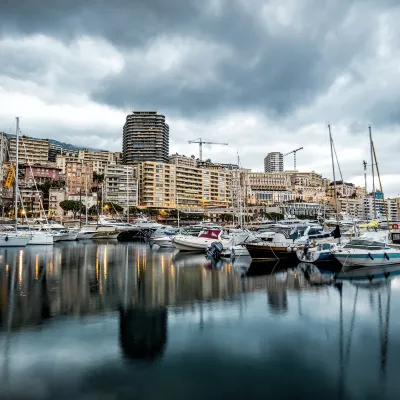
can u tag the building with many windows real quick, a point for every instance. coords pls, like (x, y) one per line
(56, 196)
(78, 177)
(120, 185)
(32, 151)
(99, 159)
(145, 138)
(170, 186)
(40, 173)
(181, 160)
(273, 162)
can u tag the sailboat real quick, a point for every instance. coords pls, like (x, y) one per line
(322, 251)
(371, 249)
(14, 239)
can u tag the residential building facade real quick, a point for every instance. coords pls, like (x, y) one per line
(32, 151)
(62, 160)
(145, 138)
(273, 162)
(40, 173)
(99, 159)
(170, 186)
(56, 196)
(120, 185)
(181, 160)
(78, 177)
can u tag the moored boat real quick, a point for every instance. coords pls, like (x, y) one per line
(369, 250)
(9, 239)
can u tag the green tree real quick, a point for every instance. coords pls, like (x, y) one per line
(93, 210)
(134, 210)
(98, 178)
(113, 208)
(74, 206)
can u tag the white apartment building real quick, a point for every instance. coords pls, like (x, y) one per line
(32, 151)
(183, 161)
(352, 207)
(62, 160)
(311, 209)
(56, 196)
(391, 205)
(273, 162)
(99, 159)
(120, 185)
(88, 201)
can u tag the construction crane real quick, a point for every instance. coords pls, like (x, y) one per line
(294, 155)
(201, 143)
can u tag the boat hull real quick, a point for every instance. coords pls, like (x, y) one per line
(85, 235)
(13, 241)
(269, 252)
(65, 237)
(315, 256)
(193, 244)
(41, 239)
(351, 260)
(164, 242)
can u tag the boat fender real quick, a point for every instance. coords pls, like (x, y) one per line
(288, 249)
(370, 277)
(294, 248)
(370, 256)
(386, 256)
(387, 274)
(6, 239)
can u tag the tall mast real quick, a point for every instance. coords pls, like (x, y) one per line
(127, 194)
(86, 199)
(16, 174)
(372, 168)
(334, 174)
(365, 176)
(385, 208)
(240, 194)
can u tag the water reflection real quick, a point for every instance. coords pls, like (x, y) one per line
(95, 310)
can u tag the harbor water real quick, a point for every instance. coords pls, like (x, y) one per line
(110, 320)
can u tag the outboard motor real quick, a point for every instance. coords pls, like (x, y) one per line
(214, 251)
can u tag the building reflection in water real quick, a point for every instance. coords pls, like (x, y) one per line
(93, 278)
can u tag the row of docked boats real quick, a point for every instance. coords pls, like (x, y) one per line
(305, 243)
(47, 232)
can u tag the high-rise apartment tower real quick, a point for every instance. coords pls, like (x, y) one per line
(145, 138)
(273, 162)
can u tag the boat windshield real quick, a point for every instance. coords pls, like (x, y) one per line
(364, 244)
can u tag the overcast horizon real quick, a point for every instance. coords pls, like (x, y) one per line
(260, 75)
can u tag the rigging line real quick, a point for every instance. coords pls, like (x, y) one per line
(34, 180)
(341, 176)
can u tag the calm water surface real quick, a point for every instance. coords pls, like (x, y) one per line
(122, 321)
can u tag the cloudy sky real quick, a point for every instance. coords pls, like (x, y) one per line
(262, 75)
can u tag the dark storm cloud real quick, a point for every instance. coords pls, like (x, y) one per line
(271, 66)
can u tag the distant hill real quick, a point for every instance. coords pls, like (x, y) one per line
(64, 145)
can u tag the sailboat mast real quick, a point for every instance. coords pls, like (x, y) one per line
(373, 173)
(127, 194)
(16, 174)
(380, 185)
(240, 194)
(86, 199)
(334, 174)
